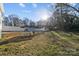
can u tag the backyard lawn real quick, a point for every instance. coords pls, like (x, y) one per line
(41, 44)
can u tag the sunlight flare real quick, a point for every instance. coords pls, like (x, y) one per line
(45, 17)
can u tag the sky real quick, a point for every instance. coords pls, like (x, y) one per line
(32, 11)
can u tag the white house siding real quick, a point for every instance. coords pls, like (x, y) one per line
(1, 17)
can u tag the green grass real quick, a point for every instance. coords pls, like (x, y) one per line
(44, 44)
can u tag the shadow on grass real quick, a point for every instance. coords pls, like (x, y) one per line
(18, 39)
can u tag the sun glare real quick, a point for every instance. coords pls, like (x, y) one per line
(45, 17)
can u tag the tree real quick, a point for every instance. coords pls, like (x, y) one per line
(15, 21)
(32, 24)
(26, 21)
(6, 21)
(65, 17)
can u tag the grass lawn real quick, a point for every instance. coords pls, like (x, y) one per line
(42, 44)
